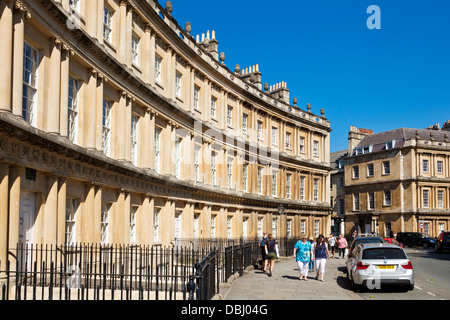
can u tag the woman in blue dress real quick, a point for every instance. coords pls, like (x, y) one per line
(303, 254)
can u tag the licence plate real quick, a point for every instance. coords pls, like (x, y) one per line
(384, 267)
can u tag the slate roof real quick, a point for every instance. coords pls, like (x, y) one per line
(378, 140)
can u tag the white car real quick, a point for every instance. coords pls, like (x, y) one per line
(373, 265)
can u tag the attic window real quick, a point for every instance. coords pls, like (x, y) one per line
(390, 144)
(363, 150)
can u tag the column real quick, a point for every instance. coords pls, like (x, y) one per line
(14, 205)
(89, 111)
(97, 215)
(61, 219)
(147, 62)
(4, 194)
(6, 67)
(52, 108)
(87, 227)
(123, 31)
(63, 114)
(50, 211)
(20, 13)
(98, 112)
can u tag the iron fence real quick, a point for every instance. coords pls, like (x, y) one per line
(123, 272)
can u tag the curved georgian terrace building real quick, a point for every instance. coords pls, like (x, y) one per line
(118, 126)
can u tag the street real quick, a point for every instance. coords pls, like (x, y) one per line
(432, 278)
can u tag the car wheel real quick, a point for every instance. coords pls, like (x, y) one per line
(410, 287)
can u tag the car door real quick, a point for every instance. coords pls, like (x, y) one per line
(352, 261)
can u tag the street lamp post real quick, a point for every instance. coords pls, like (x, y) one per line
(281, 211)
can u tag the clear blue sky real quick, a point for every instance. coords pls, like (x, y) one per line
(397, 76)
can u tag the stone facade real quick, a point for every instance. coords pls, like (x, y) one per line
(118, 126)
(397, 180)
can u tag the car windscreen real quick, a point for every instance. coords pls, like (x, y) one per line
(383, 253)
(368, 240)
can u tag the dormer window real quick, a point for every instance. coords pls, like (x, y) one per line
(363, 150)
(390, 145)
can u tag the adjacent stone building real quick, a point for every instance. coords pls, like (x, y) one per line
(398, 180)
(118, 126)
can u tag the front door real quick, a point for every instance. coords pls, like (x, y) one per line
(26, 225)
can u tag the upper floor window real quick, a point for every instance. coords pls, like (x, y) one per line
(302, 145)
(288, 185)
(229, 173)
(356, 202)
(259, 180)
(259, 130)
(229, 116)
(355, 172)
(387, 198)
(29, 94)
(425, 165)
(371, 201)
(213, 168)
(213, 107)
(157, 151)
(426, 198)
(390, 144)
(288, 140)
(197, 163)
(107, 24)
(178, 84)
(134, 139)
(440, 199)
(72, 120)
(302, 188)
(197, 97)
(316, 148)
(316, 190)
(158, 62)
(386, 167)
(106, 122)
(439, 165)
(370, 170)
(244, 123)
(135, 49)
(245, 177)
(274, 136)
(71, 210)
(274, 183)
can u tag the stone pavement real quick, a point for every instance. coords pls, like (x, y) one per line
(286, 285)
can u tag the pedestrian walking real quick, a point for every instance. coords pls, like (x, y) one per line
(342, 245)
(321, 255)
(271, 253)
(332, 244)
(262, 245)
(303, 254)
(312, 261)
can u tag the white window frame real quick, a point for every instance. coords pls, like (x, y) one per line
(72, 205)
(108, 16)
(355, 172)
(425, 165)
(302, 145)
(316, 148)
(213, 107)
(229, 173)
(213, 168)
(302, 187)
(197, 152)
(133, 214)
(157, 149)
(178, 77)
(387, 197)
(196, 97)
(178, 156)
(30, 83)
(229, 116)
(245, 177)
(439, 166)
(213, 226)
(104, 222)
(371, 201)
(370, 170)
(274, 183)
(288, 185)
(426, 198)
(259, 130)
(440, 199)
(386, 167)
(229, 227)
(106, 126)
(244, 123)
(156, 216)
(134, 138)
(274, 136)
(316, 190)
(158, 69)
(135, 41)
(288, 140)
(72, 119)
(259, 180)
(356, 203)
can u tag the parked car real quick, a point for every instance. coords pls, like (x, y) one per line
(393, 241)
(374, 265)
(411, 239)
(443, 241)
(363, 239)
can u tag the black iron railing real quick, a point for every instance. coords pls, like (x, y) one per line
(124, 272)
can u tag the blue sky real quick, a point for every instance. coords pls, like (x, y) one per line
(397, 76)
